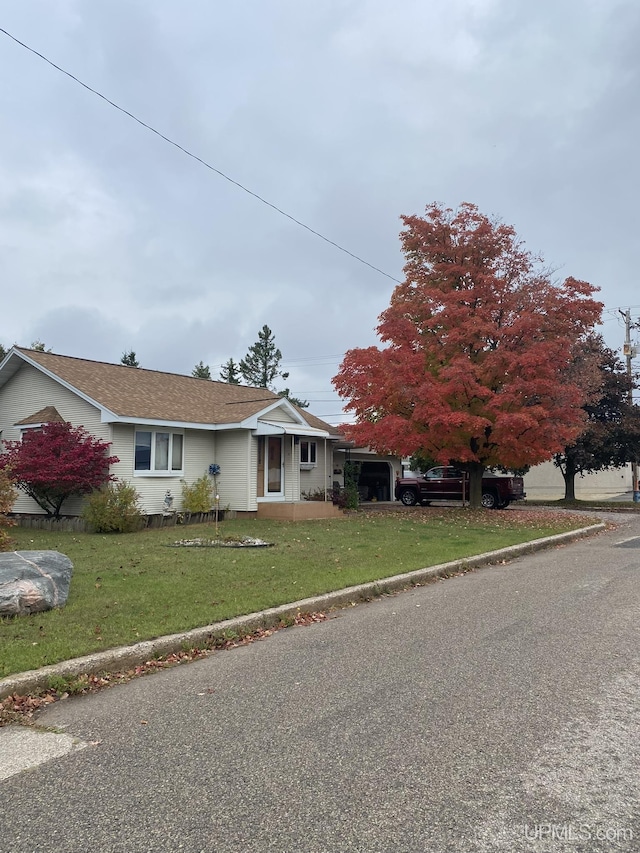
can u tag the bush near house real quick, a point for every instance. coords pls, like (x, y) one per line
(114, 509)
(199, 496)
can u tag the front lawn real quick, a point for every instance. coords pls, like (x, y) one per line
(132, 587)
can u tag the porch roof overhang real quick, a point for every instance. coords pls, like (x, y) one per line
(265, 427)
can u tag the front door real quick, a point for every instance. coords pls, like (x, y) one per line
(274, 471)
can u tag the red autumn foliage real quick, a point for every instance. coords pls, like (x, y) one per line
(56, 461)
(478, 341)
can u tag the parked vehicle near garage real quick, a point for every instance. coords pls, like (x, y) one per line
(446, 483)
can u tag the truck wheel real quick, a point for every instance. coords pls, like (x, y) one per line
(489, 500)
(408, 497)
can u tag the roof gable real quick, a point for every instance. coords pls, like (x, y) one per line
(45, 416)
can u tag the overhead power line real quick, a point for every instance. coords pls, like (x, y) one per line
(198, 159)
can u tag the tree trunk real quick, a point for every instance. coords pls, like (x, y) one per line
(476, 470)
(569, 476)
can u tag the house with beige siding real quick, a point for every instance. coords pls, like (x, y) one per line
(167, 429)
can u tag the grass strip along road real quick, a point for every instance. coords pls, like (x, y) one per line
(133, 587)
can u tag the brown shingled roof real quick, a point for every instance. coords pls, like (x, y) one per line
(313, 421)
(149, 394)
(45, 416)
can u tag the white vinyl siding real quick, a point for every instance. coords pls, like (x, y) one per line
(279, 414)
(292, 469)
(199, 447)
(320, 476)
(26, 393)
(237, 479)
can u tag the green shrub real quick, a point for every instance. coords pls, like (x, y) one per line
(199, 496)
(7, 497)
(351, 477)
(114, 509)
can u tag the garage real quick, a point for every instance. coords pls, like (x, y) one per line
(375, 481)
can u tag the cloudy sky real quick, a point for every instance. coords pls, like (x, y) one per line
(343, 113)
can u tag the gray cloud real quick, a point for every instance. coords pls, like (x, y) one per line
(346, 115)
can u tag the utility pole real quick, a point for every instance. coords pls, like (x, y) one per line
(629, 352)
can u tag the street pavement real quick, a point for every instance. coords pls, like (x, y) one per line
(494, 711)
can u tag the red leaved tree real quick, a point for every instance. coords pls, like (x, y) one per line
(478, 338)
(56, 461)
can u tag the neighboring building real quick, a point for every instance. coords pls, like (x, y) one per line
(167, 429)
(544, 482)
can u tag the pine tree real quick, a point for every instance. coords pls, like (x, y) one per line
(129, 359)
(301, 404)
(201, 371)
(230, 372)
(261, 365)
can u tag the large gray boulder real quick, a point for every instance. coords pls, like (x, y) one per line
(31, 581)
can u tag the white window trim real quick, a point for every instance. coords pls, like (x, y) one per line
(308, 466)
(165, 472)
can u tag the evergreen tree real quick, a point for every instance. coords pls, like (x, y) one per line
(3, 352)
(261, 365)
(301, 404)
(201, 371)
(230, 372)
(129, 359)
(38, 346)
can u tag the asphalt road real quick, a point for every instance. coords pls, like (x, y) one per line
(496, 711)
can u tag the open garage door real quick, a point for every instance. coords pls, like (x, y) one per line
(375, 481)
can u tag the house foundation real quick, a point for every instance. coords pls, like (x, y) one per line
(299, 511)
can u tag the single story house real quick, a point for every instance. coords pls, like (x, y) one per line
(167, 429)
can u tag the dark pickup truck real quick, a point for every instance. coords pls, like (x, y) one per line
(445, 483)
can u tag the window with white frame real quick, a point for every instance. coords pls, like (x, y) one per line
(158, 452)
(308, 453)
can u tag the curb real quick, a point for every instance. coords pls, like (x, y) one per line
(125, 657)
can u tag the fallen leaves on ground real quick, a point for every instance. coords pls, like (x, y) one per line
(513, 517)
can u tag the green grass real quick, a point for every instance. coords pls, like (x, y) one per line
(132, 587)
